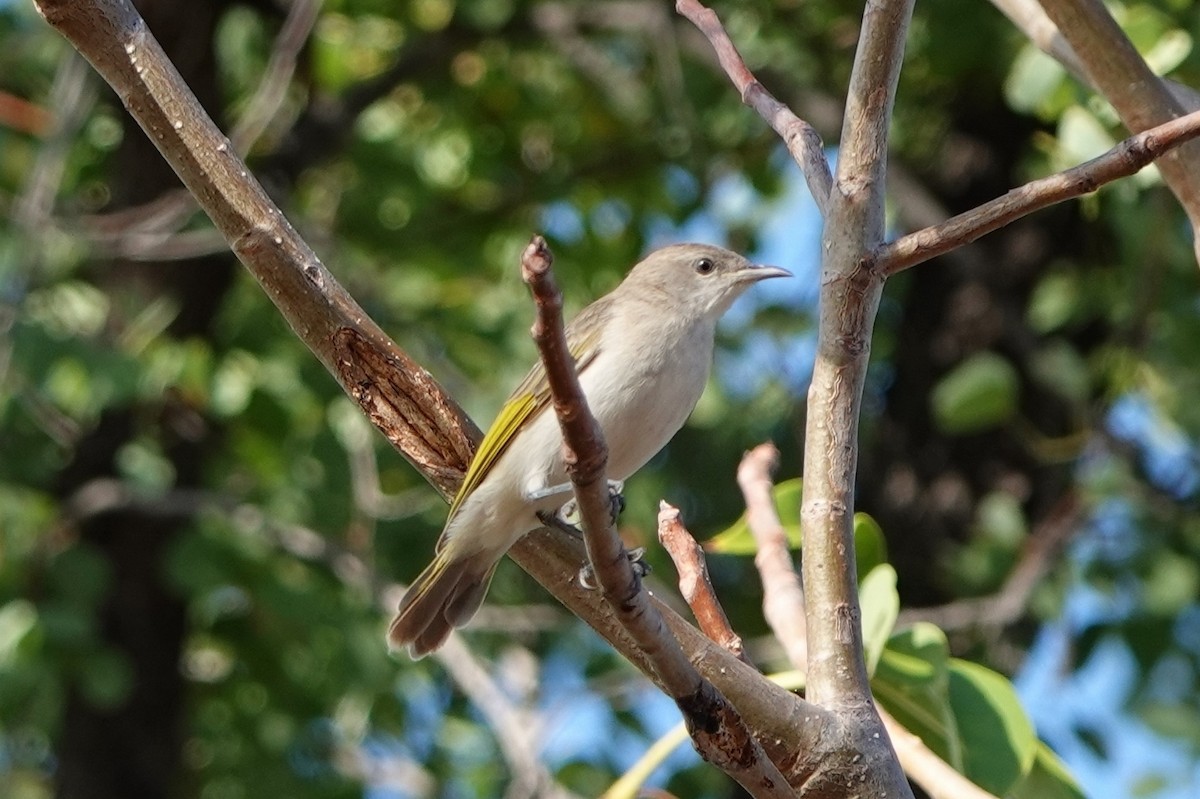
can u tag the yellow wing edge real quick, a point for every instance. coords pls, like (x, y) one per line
(532, 395)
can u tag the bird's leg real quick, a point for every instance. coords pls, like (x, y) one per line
(566, 520)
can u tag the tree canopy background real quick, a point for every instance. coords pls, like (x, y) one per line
(194, 521)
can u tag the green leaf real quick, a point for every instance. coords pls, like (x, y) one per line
(998, 740)
(880, 608)
(1081, 136)
(1032, 81)
(1169, 51)
(870, 547)
(106, 678)
(737, 538)
(969, 715)
(911, 681)
(1056, 300)
(1048, 779)
(18, 619)
(1000, 520)
(1170, 585)
(1059, 367)
(979, 394)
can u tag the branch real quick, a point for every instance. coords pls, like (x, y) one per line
(694, 585)
(783, 595)
(71, 96)
(1031, 19)
(154, 231)
(1122, 76)
(719, 732)
(849, 299)
(420, 420)
(802, 140)
(783, 603)
(512, 727)
(1126, 159)
(112, 36)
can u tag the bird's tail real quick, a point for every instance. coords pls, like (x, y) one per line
(446, 595)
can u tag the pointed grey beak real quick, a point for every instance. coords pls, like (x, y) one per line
(757, 272)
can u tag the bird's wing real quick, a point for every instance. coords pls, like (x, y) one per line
(530, 398)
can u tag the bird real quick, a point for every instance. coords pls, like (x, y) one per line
(643, 353)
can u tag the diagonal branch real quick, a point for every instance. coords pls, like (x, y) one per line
(802, 140)
(1126, 159)
(717, 729)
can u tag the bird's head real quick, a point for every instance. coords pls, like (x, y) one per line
(698, 279)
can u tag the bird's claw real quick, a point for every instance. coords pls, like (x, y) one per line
(569, 512)
(636, 561)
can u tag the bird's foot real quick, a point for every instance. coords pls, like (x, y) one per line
(566, 519)
(637, 555)
(569, 512)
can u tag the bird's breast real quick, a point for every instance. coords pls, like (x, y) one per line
(642, 398)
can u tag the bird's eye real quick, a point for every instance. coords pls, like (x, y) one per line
(705, 266)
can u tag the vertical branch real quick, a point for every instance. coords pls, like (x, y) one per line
(850, 292)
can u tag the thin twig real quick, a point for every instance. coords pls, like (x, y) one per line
(71, 96)
(1126, 159)
(154, 231)
(718, 731)
(802, 140)
(783, 595)
(694, 585)
(514, 728)
(272, 87)
(1031, 19)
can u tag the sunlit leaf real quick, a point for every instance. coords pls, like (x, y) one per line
(998, 740)
(880, 608)
(1047, 779)
(738, 540)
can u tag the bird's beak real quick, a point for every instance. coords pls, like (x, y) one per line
(757, 272)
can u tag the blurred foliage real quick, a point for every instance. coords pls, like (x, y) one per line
(418, 146)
